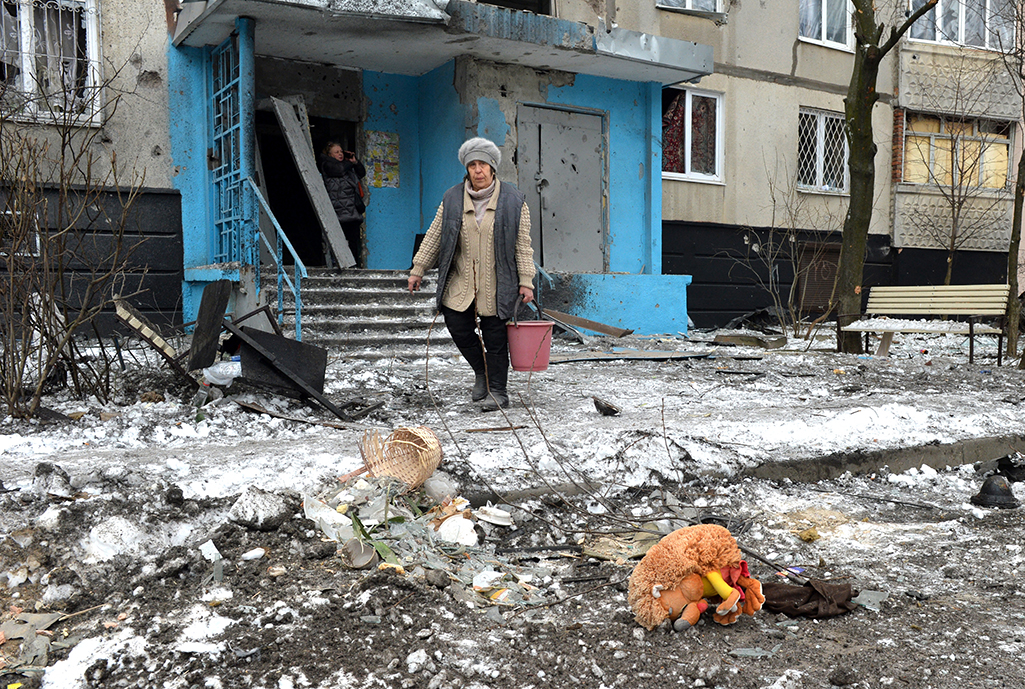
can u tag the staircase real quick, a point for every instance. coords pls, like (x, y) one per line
(366, 314)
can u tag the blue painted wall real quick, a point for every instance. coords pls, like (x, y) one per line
(444, 124)
(188, 70)
(646, 304)
(393, 213)
(634, 217)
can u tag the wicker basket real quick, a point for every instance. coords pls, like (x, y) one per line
(408, 454)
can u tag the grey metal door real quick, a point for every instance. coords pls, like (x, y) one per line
(561, 160)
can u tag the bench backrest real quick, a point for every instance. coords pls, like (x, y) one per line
(939, 300)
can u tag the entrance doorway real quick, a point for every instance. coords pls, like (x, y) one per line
(283, 184)
(561, 160)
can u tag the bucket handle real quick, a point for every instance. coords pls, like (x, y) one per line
(516, 309)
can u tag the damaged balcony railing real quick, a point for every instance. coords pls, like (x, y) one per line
(278, 254)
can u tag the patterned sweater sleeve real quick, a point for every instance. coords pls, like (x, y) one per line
(524, 252)
(427, 256)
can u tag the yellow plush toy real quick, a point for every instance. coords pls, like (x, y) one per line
(693, 563)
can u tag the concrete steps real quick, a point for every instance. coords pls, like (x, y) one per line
(366, 314)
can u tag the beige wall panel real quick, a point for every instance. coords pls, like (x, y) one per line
(935, 78)
(761, 145)
(134, 43)
(923, 219)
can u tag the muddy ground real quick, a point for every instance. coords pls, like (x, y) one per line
(952, 613)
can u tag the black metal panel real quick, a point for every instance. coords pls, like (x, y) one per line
(155, 265)
(929, 267)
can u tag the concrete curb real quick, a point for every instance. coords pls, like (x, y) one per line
(895, 460)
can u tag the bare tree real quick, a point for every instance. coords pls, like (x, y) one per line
(793, 244)
(862, 96)
(65, 206)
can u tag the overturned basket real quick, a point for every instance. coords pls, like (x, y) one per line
(410, 454)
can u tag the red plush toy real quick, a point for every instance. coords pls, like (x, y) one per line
(693, 563)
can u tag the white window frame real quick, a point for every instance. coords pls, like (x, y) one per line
(820, 119)
(959, 39)
(848, 43)
(688, 6)
(717, 178)
(31, 108)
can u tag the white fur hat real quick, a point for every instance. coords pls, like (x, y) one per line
(481, 149)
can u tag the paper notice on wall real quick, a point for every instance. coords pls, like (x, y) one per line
(382, 159)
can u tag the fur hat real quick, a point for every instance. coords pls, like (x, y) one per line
(481, 149)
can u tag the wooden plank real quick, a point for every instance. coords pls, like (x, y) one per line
(638, 354)
(979, 329)
(314, 183)
(578, 322)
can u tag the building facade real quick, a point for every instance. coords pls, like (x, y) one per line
(755, 201)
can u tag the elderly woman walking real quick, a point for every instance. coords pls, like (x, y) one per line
(480, 241)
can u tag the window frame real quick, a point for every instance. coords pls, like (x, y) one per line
(819, 188)
(847, 46)
(688, 7)
(28, 105)
(719, 177)
(937, 11)
(944, 134)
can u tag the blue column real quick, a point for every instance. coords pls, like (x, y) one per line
(249, 249)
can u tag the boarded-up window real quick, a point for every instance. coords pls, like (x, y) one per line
(951, 151)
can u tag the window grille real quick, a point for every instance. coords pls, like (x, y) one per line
(49, 57)
(821, 151)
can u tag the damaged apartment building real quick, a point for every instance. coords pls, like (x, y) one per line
(659, 142)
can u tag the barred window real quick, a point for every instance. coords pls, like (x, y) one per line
(821, 151)
(691, 135)
(49, 57)
(978, 23)
(952, 151)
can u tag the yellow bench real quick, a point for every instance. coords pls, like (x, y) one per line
(927, 307)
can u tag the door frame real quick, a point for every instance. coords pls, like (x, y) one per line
(604, 155)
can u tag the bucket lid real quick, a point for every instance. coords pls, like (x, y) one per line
(995, 492)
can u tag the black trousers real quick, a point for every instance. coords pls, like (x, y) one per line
(491, 358)
(351, 230)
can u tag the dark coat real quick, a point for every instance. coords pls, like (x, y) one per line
(341, 178)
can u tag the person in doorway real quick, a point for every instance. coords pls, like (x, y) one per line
(342, 174)
(480, 241)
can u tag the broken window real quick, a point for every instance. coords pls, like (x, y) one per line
(826, 21)
(821, 151)
(691, 135)
(956, 151)
(48, 57)
(535, 6)
(978, 23)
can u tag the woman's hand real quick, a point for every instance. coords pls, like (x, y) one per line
(414, 283)
(527, 294)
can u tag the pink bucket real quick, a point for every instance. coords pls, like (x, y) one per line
(530, 345)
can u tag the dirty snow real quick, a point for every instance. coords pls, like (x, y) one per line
(724, 412)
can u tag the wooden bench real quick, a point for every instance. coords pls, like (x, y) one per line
(976, 302)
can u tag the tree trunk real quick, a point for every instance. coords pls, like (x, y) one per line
(1013, 306)
(861, 97)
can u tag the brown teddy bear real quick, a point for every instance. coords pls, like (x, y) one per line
(693, 563)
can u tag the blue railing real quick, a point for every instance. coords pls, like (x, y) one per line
(278, 254)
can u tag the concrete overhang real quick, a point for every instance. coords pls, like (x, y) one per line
(412, 37)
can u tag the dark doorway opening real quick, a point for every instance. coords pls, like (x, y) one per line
(284, 187)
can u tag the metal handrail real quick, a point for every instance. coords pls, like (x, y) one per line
(278, 255)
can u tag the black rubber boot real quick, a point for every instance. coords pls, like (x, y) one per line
(480, 387)
(498, 377)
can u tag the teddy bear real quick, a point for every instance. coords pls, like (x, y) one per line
(687, 566)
